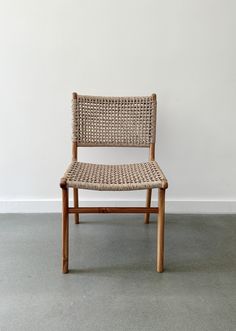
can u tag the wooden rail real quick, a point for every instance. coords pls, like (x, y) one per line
(116, 210)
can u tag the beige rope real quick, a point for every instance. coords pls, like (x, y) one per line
(135, 176)
(114, 121)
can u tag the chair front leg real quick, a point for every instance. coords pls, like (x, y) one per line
(148, 204)
(65, 231)
(76, 204)
(160, 230)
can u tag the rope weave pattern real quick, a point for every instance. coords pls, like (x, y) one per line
(114, 121)
(124, 177)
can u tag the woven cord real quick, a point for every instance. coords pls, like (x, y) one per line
(114, 121)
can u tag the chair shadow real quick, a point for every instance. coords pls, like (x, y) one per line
(112, 269)
(202, 267)
(207, 246)
(176, 268)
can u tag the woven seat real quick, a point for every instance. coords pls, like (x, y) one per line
(124, 177)
(113, 122)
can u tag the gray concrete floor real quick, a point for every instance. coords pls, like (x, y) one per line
(113, 284)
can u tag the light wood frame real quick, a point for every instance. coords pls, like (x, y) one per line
(76, 210)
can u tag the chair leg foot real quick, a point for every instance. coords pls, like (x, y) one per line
(148, 204)
(76, 218)
(65, 269)
(160, 230)
(65, 231)
(146, 218)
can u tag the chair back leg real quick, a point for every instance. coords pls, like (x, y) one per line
(76, 204)
(160, 230)
(65, 231)
(148, 204)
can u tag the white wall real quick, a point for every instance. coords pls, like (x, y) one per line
(183, 50)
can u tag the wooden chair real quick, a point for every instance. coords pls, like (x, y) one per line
(119, 122)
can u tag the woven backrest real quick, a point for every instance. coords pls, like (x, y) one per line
(114, 121)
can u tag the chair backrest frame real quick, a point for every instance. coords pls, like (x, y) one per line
(83, 102)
